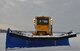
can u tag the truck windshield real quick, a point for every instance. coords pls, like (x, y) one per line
(42, 21)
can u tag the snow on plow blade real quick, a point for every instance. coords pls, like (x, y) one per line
(13, 40)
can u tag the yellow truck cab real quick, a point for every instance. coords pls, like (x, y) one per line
(43, 25)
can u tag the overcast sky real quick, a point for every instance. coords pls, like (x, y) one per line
(19, 13)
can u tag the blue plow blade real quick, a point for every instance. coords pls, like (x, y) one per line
(13, 41)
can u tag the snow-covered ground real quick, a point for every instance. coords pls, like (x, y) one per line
(74, 45)
(2, 41)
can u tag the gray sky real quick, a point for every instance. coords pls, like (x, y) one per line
(19, 13)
